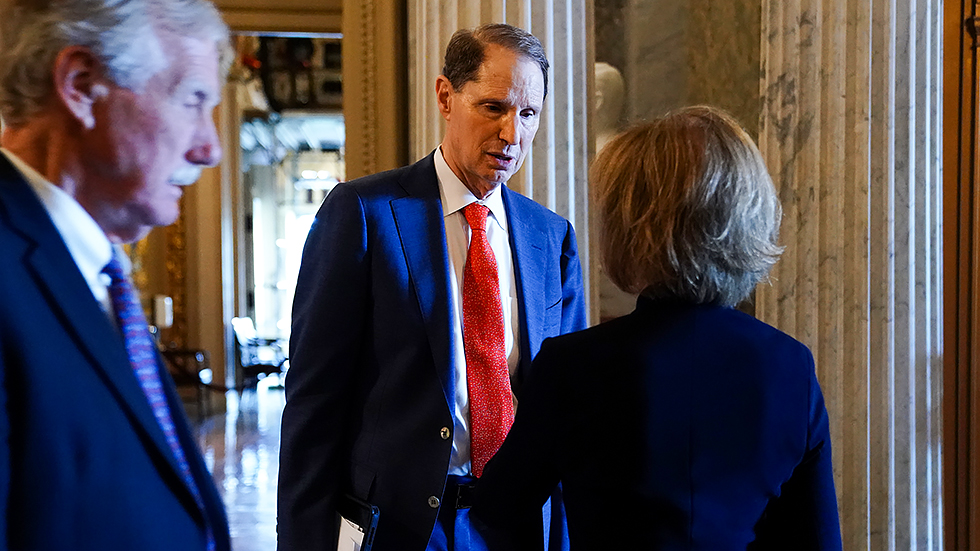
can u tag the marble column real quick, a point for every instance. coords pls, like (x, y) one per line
(850, 129)
(555, 171)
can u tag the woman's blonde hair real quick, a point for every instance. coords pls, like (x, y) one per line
(686, 208)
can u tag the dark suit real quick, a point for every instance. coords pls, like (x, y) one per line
(83, 462)
(677, 427)
(370, 388)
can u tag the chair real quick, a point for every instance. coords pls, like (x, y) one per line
(191, 368)
(256, 357)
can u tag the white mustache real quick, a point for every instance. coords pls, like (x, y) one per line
(186, 176)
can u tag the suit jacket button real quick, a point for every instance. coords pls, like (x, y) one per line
(444, 433)
(433, 502)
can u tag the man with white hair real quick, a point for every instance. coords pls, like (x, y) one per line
(107, 113)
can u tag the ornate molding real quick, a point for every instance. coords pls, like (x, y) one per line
(368, 88)
(375, 79)
(138, 275)
(176, 237)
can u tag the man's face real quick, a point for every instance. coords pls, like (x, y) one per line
(147, 144)
(491, 121)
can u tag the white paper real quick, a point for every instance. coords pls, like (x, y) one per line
(351, 536)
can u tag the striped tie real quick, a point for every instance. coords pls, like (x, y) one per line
(143, 357)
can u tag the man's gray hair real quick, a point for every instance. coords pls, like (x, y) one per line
(687, 209)
(122, 34)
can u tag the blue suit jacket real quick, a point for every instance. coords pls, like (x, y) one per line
(677, 427)
(370, 387)
(83, 462)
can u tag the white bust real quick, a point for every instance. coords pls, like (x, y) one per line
(609, 95)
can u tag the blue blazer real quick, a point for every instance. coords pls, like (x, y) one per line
(677, 427)
(370, 390)
(83, 462)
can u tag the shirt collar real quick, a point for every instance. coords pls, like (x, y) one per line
(455, 195)
(87, 243)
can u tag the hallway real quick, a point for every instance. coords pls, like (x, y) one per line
(241, 449)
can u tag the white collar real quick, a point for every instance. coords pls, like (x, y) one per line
(455, 195)
(87, 243)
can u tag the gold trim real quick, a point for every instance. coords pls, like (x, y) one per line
(369, 83)
(293, 21)
(176, 237)
(136, 253)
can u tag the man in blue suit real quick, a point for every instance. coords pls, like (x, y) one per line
(382, 398)
(107, 113)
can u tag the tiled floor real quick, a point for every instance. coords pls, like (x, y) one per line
(242, 451)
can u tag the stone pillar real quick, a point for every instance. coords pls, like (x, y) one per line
(555, 171)
(850, 129)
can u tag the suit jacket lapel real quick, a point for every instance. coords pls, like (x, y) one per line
(525, 243)
(421, 229)
(68, 294)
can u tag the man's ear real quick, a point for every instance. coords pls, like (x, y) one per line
(444, 95)
(79, 83)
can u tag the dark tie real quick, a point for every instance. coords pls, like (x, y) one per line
(143, 358)
(487, 378)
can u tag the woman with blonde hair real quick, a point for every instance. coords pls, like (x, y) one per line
(686, 424)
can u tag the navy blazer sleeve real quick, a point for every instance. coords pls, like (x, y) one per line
(573, 314)
(804, 515)
(329, 320)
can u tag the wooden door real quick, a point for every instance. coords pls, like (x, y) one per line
(961, 424)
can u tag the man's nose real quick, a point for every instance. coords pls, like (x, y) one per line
(508, 128)
(206, 149)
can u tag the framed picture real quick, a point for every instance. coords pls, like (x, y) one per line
(301, 72)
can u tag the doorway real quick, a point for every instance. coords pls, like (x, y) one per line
(290, 146)
(291, 164)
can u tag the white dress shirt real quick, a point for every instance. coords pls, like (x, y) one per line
(454, 197)
(87, 243)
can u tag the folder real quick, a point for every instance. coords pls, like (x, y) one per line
(358, 522)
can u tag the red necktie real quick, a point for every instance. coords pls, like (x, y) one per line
(487, 377)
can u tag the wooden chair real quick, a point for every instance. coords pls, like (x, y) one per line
(257, 357)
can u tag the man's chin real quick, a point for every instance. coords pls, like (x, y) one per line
(500, 178)
(164, 218)
(168, 218)
(136, 232)
(128, 234)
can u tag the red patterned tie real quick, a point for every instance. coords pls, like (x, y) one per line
(487, 378)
